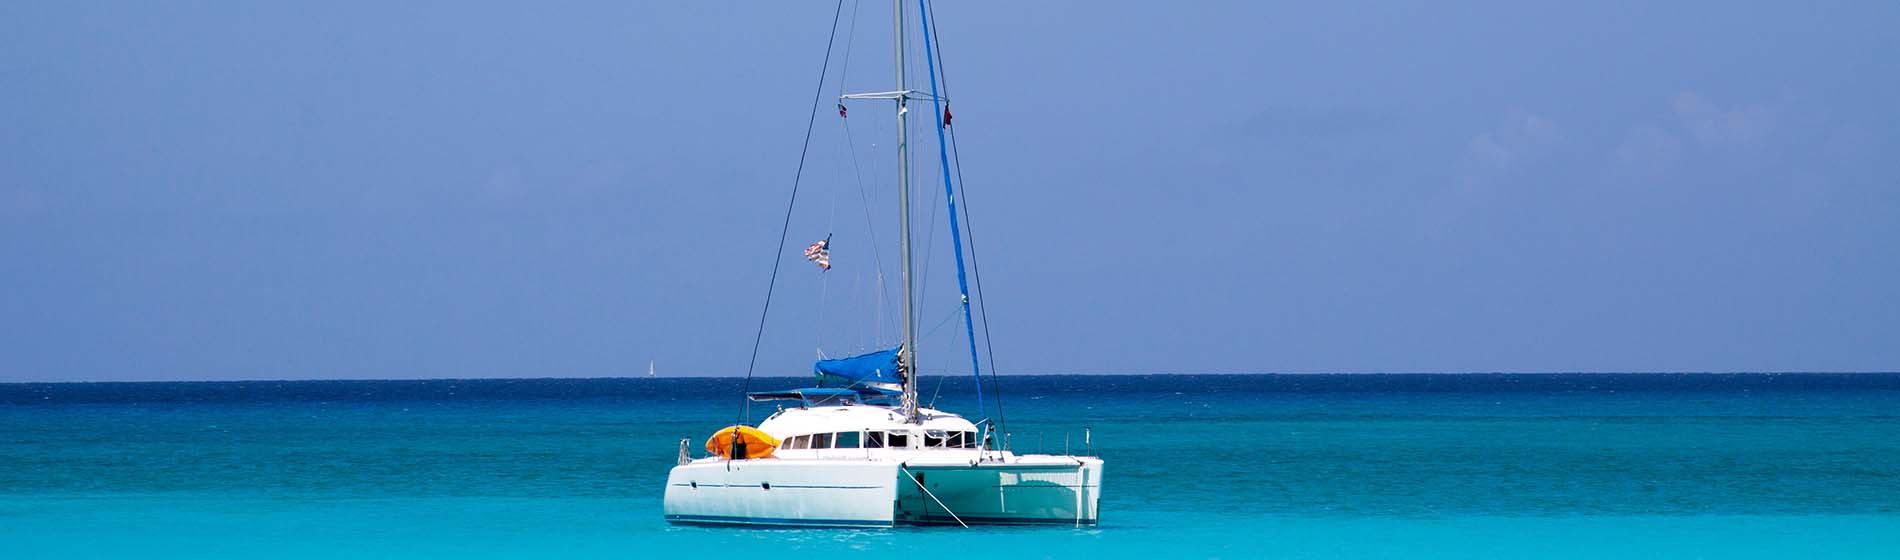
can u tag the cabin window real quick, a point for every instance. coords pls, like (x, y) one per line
(797, 442)
(953, 440)
(898, 439)
(933, 438)
(873, 440)
(821, 441)
(847, 440)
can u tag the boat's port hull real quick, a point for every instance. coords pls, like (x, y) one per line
(858, 493)
(819, 493)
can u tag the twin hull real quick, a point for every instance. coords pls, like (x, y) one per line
(859, 493)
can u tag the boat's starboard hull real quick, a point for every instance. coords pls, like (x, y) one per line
(856, 493)
(1058, 491)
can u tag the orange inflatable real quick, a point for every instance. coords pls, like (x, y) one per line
(757, 444)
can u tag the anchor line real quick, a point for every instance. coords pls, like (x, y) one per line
(933, 497)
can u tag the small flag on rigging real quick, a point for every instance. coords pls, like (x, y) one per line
(820, 253)
(841, 110)
(946, 114)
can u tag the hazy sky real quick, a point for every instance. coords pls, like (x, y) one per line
(222, 190)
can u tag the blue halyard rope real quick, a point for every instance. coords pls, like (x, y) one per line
(976, 256)
(956, 235)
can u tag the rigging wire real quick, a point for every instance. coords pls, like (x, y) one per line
(864, 196)
(943, 166)
(940, 323)
(936, 198)
(969, 229)
(851, 152)
(778, 255)
(870, 227)
(884, 308)
(850, 38)
(844, 70)
(930, 242)
(910, 161)
(857, 334)
(824, 291)
(824, 278)
(938, 391)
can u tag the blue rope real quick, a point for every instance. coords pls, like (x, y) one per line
(956, 235)
(976, 260)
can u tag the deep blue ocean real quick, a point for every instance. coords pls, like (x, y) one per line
(1215, 466)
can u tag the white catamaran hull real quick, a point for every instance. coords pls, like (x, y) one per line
(857, 493)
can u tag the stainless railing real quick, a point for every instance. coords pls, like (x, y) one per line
(686, 454)
(1088, 442)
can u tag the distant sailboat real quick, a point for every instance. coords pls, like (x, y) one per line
(650, 369)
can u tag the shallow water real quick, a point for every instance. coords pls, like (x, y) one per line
(1455, 466)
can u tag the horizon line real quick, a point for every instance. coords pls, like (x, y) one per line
(1100, 374)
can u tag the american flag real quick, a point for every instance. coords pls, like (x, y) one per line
(820, 253)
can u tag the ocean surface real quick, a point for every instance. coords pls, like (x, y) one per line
(1198, 466)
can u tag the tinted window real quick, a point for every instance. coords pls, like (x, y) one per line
(821, 441)
(969, 440)
(796, 442)
(899, 439)
(847, 440)
(954, 440)
(873, 439)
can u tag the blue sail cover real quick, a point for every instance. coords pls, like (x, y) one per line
(875, 367)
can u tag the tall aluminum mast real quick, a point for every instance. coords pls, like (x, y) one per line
(909, 352)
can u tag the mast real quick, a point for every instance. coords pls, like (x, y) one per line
(908, 355)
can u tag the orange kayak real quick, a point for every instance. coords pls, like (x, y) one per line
(757, 444)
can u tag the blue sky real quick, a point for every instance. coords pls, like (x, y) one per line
(205, 190)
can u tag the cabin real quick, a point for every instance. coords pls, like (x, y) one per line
(840, 421)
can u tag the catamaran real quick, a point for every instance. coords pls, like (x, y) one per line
(860, 449)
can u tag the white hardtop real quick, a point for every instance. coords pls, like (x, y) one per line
(850, 418)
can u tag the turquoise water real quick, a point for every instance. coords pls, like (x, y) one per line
(1452, 466)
